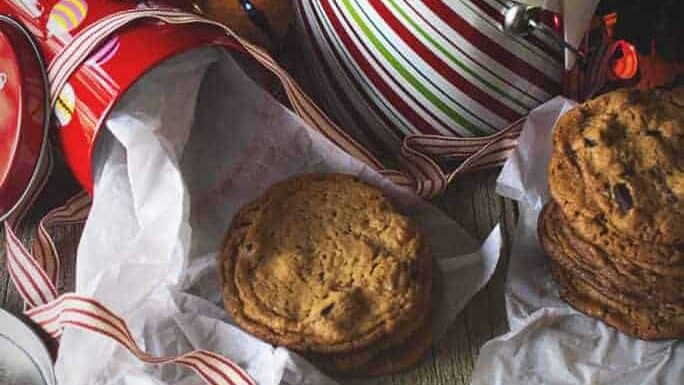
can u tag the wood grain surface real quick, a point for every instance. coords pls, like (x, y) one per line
(470, 200)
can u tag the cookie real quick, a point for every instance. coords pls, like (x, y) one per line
(659, 258)
(401, 357)
(611, 274)
(619, 159)
(399, 352)
(324, 263)
(385, 361)
(352, 363)
(648, 323)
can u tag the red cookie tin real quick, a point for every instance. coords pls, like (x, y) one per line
(23, 112)
(40, 28)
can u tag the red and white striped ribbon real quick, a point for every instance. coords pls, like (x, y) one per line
(74, 211)
(53, 313)
(87, 314)
(425, 175)
(37, 274)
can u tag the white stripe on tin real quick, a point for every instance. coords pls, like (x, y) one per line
(433, 80)
(540, 61)
(489, 69)
(502, 6)
(416, 100)
(376, 69)
(519, 39)
(398, 120)
(394, 115)
(363, 115)
(454, 39)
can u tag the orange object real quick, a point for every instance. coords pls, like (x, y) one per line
(625, 66)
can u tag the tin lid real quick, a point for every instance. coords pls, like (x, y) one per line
(24, 114)
(24, 360)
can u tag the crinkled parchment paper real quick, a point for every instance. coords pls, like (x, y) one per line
(193, 141)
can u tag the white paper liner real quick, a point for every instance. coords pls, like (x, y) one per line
(193, 141)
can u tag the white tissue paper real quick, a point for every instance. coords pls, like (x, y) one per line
(187, 146)
(550, 343)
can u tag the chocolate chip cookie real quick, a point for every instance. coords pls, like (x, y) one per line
(644, 321)
(398, 352)
(612, 274)
(324, 263)
(619, 160)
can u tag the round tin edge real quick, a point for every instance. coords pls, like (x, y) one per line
(46, 124)
(37, 346)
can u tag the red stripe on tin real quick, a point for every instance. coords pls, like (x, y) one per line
(537, 42)
(492, 48)
(465, 53)
(303, 105)
(386, 90)
(433, 60)
(337, 89)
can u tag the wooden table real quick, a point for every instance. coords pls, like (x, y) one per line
(470, 200)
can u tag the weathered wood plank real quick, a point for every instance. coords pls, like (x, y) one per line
(58, 189)
(472, 202)
(9, 297)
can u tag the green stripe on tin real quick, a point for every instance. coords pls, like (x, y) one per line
(424, 76)
(454, 115)
(385, 107)
(455, 60)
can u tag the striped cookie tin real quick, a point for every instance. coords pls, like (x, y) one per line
(391, 68)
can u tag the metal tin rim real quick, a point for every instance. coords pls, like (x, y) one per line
(6, 19)
(36, 345)
(33, 362)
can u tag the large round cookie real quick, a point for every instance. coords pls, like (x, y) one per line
(644, 322)
(324, 263)
(612, 274)
(619, 159)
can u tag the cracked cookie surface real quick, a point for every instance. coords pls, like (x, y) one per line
(324, 263)
(619, 160)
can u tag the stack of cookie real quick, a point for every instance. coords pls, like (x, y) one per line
(325, 265)
(615, 231)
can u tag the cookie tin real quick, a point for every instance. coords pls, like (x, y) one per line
(24, 360)
(99, 82)
(391, 69)
(24, 117)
